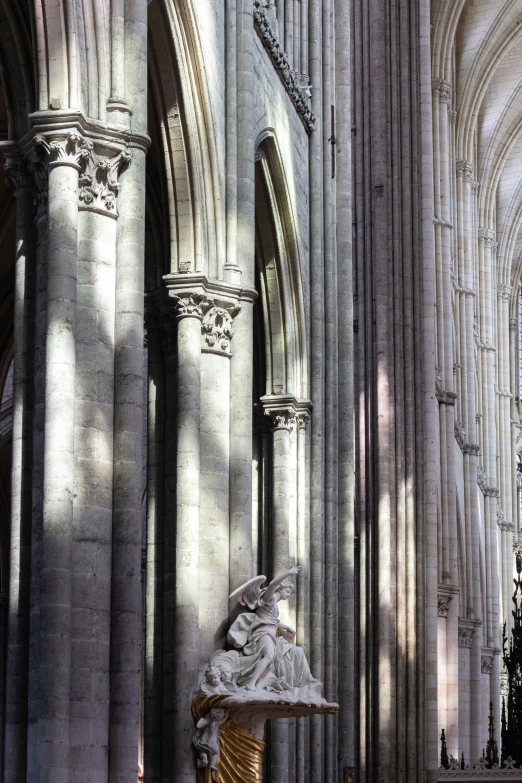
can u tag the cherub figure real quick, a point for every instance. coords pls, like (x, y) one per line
(212, 682)
(227, 679)
(206, 740)
(269, 662)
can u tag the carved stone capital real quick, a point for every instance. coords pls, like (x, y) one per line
(303, 419)
(283, 419)
(487, 237)
(73, 150)
(99, 185)
(466, 633)
(191, 305)
(285, 411)
(486, 664)
(18, 175)
(452, 116)
(504, 291)
(441, 91)
(471, 448)
(445, 397)
(465, 170)
(443, 602)
(217, 330)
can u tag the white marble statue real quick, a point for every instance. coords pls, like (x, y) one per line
(267, 662)
(262, 676)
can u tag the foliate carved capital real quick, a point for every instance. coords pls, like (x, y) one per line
(73, 151)
(443, 602)
(282, 419)
(512, 324)
(465, 170)
(466, 633)
(445, 397)
(441, 91)
(18, 174)
(452, 116)
(504, 291)
(191, 305)
(99, 185)
(487, 237)
(471, 448)
(303, 419)
(508, 527)
(217, 330)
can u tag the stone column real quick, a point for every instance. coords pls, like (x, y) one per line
(21, 496)
(93, 553)
(283, 415)
(129, 368)
(189, 311)
(214, 565)
(64, 152)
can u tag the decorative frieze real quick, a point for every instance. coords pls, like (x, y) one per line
(465, 170)
(99, 182)
(296, 85)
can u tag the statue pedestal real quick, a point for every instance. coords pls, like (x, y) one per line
(231, 732)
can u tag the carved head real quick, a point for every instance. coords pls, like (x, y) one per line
(213, 676)
(286, 589)
(226, 674)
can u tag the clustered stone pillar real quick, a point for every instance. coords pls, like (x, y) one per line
(64, 687)
(196, 566)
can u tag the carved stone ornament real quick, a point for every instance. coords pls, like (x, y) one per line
(282, 419)
(466, 635)
(303, 419)
(262, 676)
(191, 305)
(487, 238)
(73, 151)
(465, 170)
(99, 182)
(18, 174)
(217, 330)
(443, 602)
(504, 291)
(441, 91)
(486, 664)
(296, 86)
(459, 434)
(445, 397)
(472, 449)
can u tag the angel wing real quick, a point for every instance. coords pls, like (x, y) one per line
(249, 593)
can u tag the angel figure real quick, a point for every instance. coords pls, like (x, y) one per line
(268, 661)
(206, 740)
